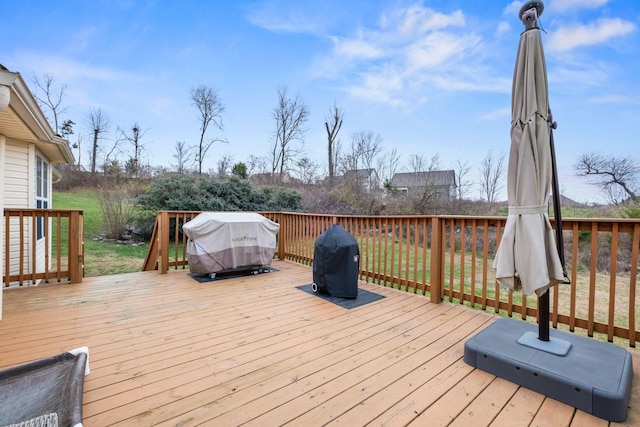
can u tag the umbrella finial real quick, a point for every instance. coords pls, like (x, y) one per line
(530, 12)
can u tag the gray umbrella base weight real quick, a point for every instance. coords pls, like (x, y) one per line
(593, 376)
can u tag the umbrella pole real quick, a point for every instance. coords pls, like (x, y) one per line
(543, 301)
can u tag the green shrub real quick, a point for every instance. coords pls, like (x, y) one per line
(186, 193)
(632, 211)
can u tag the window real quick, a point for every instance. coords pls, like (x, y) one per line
(42, 192)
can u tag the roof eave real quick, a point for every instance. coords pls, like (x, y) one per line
(25, 107)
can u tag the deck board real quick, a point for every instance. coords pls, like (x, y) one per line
(166, 350)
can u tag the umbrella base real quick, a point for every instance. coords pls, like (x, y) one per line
(593, 376)
(554, 345)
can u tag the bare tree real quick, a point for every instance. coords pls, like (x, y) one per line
(210, 109)
(617, 176)
(224, 166)
(256, 164)
(387, 167)
(365, 146)
(364, 149)
(492, 171)
(290, 115)
(78, 146)
(111, 165)
(461, 170)
(99, 123)
(333, 124)
(52, 95)
(417, 163)
(183, 158)
(306, 170)
(133, 136)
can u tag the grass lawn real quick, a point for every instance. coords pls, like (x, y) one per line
(100, 258)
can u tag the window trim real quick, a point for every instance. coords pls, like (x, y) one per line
(43, 196)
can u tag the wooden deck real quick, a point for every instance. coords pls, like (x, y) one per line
(166, 350)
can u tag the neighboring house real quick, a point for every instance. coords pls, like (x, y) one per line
(441, 183)
(28, 150)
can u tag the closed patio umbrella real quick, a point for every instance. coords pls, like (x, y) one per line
(527, 259)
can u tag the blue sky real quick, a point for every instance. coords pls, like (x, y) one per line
(430, 77)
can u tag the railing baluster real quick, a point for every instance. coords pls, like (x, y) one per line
(575, 239)
(485, 261)
(613, 267)
(463, 239)
(592, 278)
(633, 275)
(500, 227)
(59, 246)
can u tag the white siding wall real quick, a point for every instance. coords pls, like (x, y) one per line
(17, 183)
(19, 192)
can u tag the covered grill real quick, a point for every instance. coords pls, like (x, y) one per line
(336, 263)
(228, 241)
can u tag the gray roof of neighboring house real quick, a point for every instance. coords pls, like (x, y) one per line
(421, 179)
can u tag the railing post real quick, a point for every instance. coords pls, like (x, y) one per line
(76, 245)
(163, 242)
(435, 289)
(282, 220)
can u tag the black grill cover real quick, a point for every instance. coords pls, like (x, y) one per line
(336, 262)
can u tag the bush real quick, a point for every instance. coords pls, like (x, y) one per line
(186, 193)
(117, 204)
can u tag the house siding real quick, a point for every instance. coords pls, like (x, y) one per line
(19, 192)
(16, 176)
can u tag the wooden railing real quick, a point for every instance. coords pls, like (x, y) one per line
(450, 258)
(42, 244)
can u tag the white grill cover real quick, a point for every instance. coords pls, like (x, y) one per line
(221, 241)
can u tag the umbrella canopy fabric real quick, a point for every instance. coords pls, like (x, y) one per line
(527, 258)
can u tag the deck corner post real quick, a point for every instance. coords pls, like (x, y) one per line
(435, 288)
(76, 246)
(282, 239)
(163, 242)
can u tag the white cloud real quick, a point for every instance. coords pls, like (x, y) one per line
(512, 9)
(613, 99)
(418, 20)
(496, 115)
(437, 49)
(584, 74)
(356, 49)
(567, 5)
(273, 18)
(471, 80)
(568, 38)
(412, 52)
(380, 88)
(66, 69)
(503, 28)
